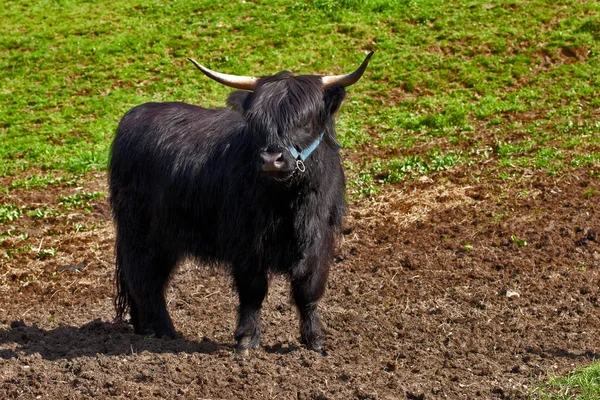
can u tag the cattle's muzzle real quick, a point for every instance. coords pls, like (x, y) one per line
(272, 161)
(275, 162)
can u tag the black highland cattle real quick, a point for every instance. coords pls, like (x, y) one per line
(257, 187)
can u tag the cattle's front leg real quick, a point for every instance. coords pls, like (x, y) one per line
(252, 289)
(307, 290)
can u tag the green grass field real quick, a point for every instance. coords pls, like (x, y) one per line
(498, 87)
(463, 83)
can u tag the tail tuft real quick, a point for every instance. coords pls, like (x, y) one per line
(123, 298)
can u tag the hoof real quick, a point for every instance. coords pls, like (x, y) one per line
(314, 344)
(243, 345)
(244, 352)
(317, 348)
(165, 335)
(158, 332)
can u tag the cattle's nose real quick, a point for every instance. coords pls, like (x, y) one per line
(272, 161)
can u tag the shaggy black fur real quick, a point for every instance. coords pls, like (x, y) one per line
(186, 181)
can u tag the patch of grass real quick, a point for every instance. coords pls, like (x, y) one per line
(363, 184)
(81, 200)
(46, 253)
(590, 159)
(443, 73)
(583, 384)
(14, 252)
(550, 159)
(12, 233)
(43, 212)
(9, 213)
(42, 182)
(397, 169)
(506, 150)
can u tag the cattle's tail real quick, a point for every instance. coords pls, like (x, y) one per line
(123, 298)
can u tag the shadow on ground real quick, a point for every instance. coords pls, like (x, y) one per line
(590, 355)
(95, 337)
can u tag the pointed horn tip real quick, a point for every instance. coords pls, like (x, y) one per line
(368, 57)
(196, 63)
(349, 79)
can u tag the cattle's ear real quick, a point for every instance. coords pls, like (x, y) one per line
(333, 97)
(239, 100)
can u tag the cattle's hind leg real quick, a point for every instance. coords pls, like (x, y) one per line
(252, 289)
(144, 276)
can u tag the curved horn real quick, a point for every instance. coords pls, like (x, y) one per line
(347, 80)
(234, 81)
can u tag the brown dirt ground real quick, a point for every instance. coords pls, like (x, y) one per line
(431, 297)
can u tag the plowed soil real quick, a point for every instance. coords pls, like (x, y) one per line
(456, 287)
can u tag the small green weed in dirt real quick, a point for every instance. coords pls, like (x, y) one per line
(517, 241)
(81, 200)
(397, 169)
(581, 267)
(42, 254)
(587, 160)
(42, 182)
(79, 227)
(9, 213)
(549, 158)
(43, 212)
(16, 251)
(13, 233)
(363, 185)
(582, 384)
(590, 193)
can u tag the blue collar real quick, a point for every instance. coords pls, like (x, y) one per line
(303, 155)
